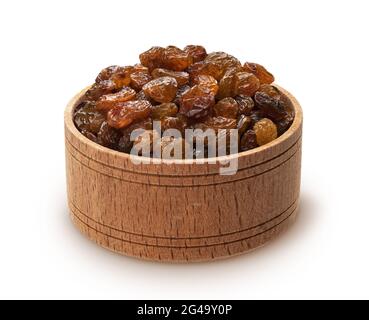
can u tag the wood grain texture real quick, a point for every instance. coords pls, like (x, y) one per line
(184, 211)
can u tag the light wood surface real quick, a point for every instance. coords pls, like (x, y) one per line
(182, 212)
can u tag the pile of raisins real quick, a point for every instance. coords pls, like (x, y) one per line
(183, 89)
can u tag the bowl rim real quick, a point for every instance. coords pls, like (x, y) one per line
(295, 126)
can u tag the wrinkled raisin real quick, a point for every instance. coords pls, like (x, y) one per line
(265, 131)
(198, 53)
(152, 58)
(108, 101)
(89, 119)
(127, 112)
(181, 76)
(248, 141)
(245, 84)
(164, 110)
(243, 123)
(264, 76)
(206, 81)
(221, 62)
(245, 104)
(181, 90)
(178, 122)
(217, 123)
(270, 90)
(89, 135)
(139, 79)
(125, 144)
(175, 59)
(162, 89)
(227, 107)
(197, 102)
(271, 107)
(99, 89)
(108, 136)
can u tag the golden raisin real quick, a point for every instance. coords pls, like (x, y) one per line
(265, 130)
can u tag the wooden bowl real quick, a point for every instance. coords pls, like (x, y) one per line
(184, 211)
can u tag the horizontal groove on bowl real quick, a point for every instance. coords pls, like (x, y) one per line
(275, 216)
(185, 246)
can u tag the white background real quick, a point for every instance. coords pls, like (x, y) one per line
(318, 50)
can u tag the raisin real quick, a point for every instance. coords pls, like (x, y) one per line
(221, 62)
(162, 89)
(152, 58)
(206, 82)
(108, 136)
(283, 125)
(197, 102)
(198, 53)
(248, 141)
(243, 123)
(265, 130)
(106, 73)
(125, 144)
(270, 90)
(139, 79)
(245, 83)
(164, 110)
(271, 107)
(88, 119)
(226, 85)
(127, 112)
(108, 101)
(120, 76)
(227, 107)
(99, 89)
(175, 59)
(181, 90)
(245, 104)
(256, 115)
(217, 123)
(142, 96)
(181, 76)
(179, 122)
(264, 76)
(89, 135)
